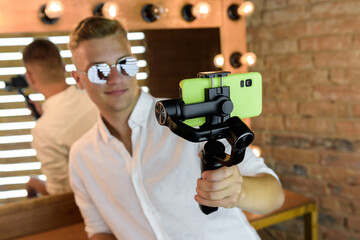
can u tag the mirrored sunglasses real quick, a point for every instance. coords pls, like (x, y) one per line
(99, 73)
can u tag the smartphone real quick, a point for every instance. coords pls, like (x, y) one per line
(245, 94)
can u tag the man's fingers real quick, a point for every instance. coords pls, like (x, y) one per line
(218, 174)
(217, 185)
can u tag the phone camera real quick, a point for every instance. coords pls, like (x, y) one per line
(248, 83)
(242, 83)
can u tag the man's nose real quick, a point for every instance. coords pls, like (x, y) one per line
(115, 76)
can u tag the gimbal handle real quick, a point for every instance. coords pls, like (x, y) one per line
(35, 113)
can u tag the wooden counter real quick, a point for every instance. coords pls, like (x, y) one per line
(295, 205)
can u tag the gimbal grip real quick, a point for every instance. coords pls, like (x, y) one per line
(211, 150)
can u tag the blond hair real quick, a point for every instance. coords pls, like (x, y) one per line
(95, 27)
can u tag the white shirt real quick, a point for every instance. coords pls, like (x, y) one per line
(149, 195)
(66, 116)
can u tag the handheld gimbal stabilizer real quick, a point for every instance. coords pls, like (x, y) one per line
(219, 124)
(19, 84)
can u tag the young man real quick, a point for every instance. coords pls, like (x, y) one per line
(67, 113)
(134, 179)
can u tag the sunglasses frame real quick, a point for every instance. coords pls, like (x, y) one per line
(103, 81)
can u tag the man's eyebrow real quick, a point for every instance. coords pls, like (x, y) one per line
(93, 63)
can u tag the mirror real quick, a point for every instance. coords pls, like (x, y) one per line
(171, 55)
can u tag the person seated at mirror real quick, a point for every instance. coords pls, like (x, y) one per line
(135, 179)
(66, 114)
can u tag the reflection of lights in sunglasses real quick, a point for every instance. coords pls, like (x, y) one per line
(100, 72)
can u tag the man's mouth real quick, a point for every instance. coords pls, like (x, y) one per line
(115, 92)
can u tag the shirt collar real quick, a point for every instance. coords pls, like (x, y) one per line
(140, 113)
(139, 116)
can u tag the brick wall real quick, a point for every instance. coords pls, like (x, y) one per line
(309, 56)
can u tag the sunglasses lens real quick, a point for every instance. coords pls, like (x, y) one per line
(99, 73)
(128, 66)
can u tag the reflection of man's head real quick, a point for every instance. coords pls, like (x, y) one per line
(42, 58)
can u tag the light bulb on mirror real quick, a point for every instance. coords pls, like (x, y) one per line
(235, 11)
(51, 12)
(246, 8)
(248, 59)
(200, 10)
(108, 10)
(219, 60)
(151, 12)
(54, 9)
(237, 59)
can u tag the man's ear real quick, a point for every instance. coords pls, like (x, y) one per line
(30, 79)
(76, 76)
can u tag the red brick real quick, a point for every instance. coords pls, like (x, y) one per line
(297, 2)
(337, 42)
(309, 187)
(346, 191)
(335, 9)
(270, 77)
(324, 109)
(288, 62)
(283, 168)
(356, 109)
(281, 46)
(331, 219)
(356, 205)
(335, 174)
(332, 203)
(259, 33)
(327, 233)
(285, 93)
(290, 14)
(268, 122)
(336, 93)
(275, 4)
(293, 155)
(345, 75)
(348, 128)
(310, 125)
(334, 26)
(337, 59)
(356, 41)
(280, 107)
(354, 223)
(304, 76)
(275, 92)
(338, 159)
(290, 30)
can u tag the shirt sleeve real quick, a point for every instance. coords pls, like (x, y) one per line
(54, 161)
(252, 165)
(94, 223)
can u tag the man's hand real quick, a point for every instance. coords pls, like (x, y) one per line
(220, 188)
(35, 107)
